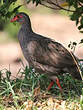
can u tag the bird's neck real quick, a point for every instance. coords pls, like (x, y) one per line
(26, 27)
(24, 34)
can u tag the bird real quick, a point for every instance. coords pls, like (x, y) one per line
(44, 54)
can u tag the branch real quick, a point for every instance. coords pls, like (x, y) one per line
(80, 4)
(49, 6)
(57, 5)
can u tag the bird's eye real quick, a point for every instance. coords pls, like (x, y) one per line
(19, 16)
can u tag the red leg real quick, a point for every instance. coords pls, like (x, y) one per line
(58, 83)
(50, 85)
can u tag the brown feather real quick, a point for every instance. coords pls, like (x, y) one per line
(44, 54)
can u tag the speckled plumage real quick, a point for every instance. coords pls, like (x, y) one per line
(44, 54)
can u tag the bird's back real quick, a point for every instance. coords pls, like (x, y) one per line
(48, 56)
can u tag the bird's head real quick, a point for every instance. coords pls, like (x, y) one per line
(21, 18)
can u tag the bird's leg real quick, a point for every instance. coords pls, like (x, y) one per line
(50, 85)
(58, 84)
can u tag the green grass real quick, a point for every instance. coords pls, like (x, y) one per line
(14, 91)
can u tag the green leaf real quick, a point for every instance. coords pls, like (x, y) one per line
(81, 31)
(81, 21)
(75, 16)
(80, 27)
(77, 22)
(33, 1)
(38, 2)
(70, 2)
(81, 1)
(74, 43)
(28, 1)
(75, 4)
(69, 45)
(81, 41)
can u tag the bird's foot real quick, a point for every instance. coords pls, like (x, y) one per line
(58, 84)
(50, 85)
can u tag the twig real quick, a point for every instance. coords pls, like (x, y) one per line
(57, 5)
(80, 4)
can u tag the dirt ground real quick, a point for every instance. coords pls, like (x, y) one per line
(55, 26)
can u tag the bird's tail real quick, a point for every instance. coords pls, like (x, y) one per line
(76, 71)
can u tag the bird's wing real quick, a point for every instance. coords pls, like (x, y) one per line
(48, 52)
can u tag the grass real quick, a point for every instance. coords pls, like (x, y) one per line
(30, 87)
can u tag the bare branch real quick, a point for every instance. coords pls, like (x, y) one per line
(57, 5)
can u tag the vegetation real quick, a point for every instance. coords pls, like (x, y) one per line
(9, 7)
(30, 87)
(28, 90)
